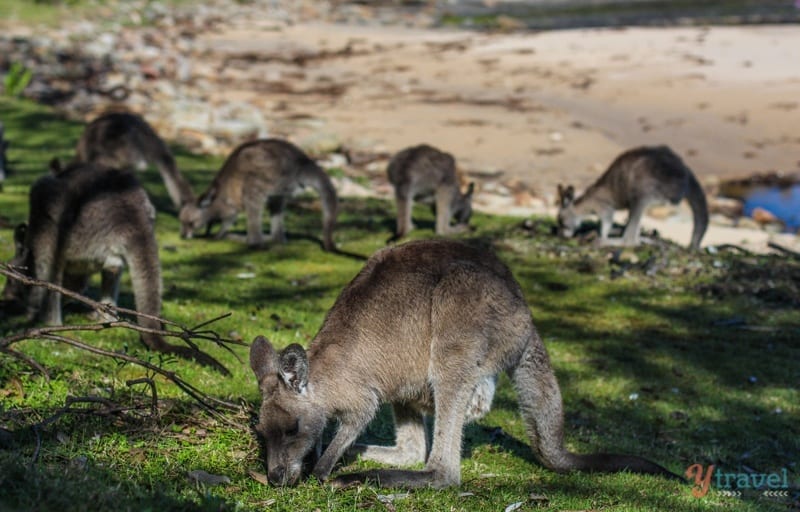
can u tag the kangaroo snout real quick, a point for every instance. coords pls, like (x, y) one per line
(277, 476)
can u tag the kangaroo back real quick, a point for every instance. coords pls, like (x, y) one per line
(422, 167)
(126, 140)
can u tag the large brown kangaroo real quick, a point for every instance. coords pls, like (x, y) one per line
(84, 220)
(425, 326)
(634, 181)
(123, 140)
(422, 171)
(263, 171)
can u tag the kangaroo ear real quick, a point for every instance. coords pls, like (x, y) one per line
(294, 367)
(263, 359)
(55, 165)
(565, 195)
(19, 237)
(470, 189)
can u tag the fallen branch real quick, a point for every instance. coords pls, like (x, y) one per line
(784, 250)
(186, 334)
(734, 247)
(56, 333)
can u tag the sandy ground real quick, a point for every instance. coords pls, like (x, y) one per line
(542, 108)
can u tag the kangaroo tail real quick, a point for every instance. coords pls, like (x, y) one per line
(542, 412)
(146, 280)
(178, 188)
(697, 201)
(319, 181)
(142, 259)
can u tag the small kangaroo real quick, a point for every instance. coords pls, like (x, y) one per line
(425, 326)
(422, 171)
(86, 219)
(634, 181)
(122, 140)
(258, 172)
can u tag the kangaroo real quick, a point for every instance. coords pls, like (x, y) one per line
(421, 171)
(86, 219)
(425, 326)
(124, 140)
(262, 171)
(635, 180)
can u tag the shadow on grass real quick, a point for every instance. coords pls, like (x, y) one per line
(90, 482)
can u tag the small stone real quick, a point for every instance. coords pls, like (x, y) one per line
(727, 206)
(524, 198)
(721, 220)
(661, 211)
(747, 223)
(763, 216)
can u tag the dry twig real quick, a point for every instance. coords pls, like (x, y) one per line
(56, 333)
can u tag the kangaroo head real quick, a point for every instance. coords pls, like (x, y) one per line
(461, 207)
(289, 422)
(568, 218)
(192, 219)
(15, 294)
(196, 216)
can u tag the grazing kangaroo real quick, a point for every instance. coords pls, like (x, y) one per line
(422, 171)
(263, 171)
(634, 181)
(87, 219)
(122, 140)
(425, 326)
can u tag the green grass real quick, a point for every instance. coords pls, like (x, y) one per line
(664, 340)
(52, 13)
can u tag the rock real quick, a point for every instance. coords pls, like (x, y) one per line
(346, 187)
(774, 227)
(726, 206)
(509, 24)
(234, 130)
(747, 223)
(196, 141)
(321, 143)
(190, 115)
(337, 160)
(662, 211)
(525, 198)
(718, 219)
(763, 216)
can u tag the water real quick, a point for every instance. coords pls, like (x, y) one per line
(783, 202)
(560, 14)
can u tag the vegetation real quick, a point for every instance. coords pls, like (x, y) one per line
(680, 358)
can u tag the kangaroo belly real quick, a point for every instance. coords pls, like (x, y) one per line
(90, 256)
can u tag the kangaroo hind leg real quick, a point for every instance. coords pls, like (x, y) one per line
(410, 440)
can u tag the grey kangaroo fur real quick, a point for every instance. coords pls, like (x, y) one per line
(123, 140)
(85, 219)
(258, 172)
(635, 180)
(421, 171)
(425, 326)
